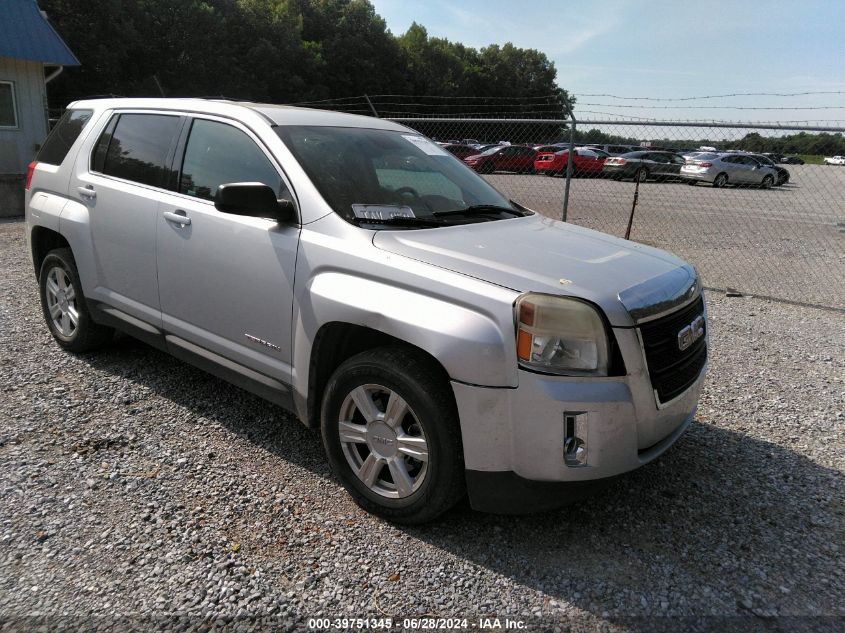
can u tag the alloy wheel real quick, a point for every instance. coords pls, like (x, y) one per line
(383, 441)
(61, 302)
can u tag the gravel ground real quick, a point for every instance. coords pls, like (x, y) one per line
(134, 485)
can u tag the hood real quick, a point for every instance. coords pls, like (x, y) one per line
(539, 254)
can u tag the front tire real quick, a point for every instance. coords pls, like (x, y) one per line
(768, 182)
(390, 430)
(64, 307)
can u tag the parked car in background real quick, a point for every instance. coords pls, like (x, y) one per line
(553, 147)
(834, 160)
(585, 161)
(470, 141)
(792, 160)
(782, 172)
(614, 150)
(729, 169)
(483, 148)
(644, 165)
(460, 150)
(518, 158)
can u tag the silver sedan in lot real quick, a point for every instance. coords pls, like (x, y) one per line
(728, 169)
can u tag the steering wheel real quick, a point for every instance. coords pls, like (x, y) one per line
(410, 190)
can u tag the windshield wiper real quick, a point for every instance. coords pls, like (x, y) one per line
(478, 208)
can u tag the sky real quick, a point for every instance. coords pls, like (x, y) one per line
(664, 49)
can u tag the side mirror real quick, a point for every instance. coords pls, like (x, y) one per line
(253, 199)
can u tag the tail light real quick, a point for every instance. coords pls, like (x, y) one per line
(620, 161)
(29, 171)
(705, 164)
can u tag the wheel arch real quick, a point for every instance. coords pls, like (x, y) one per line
(42, 241)
(336, 342)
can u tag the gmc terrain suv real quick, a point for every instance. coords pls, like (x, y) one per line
(445, 340)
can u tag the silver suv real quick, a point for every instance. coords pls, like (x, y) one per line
(445, 340)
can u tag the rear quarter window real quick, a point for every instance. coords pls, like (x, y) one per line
(64, 135)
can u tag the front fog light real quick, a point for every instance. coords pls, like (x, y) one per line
(560, 335)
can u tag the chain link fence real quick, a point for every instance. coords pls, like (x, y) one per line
(780, 238)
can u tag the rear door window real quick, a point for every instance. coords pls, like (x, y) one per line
(218, 154)
(138, 148)
(63, 136)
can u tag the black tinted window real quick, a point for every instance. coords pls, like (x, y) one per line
(138, 148)
(218, 154)
(64, 135)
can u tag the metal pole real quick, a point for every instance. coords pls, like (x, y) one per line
(372, 107)
(569, 161)
(633, 206)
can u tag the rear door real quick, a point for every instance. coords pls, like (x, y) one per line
(122, 182)
(226, 281)
(661, 165)
(745, 170)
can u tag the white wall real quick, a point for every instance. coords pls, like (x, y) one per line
(18, 145)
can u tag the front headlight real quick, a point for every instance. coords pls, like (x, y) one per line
(560, 335)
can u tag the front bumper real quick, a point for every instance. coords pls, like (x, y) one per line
(514, 439)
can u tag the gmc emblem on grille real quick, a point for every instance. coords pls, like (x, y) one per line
(691, 333)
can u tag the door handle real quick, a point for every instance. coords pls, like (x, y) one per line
(87, 192)
(178, 217)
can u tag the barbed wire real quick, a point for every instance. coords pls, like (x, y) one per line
(714, 107)
(723, 96)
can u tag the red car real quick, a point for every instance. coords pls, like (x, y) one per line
(519, 158)
(585, 161)
(459, 150)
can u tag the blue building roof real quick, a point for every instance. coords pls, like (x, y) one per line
(25, 34)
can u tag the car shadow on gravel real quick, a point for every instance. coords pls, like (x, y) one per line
(723, 523)
(264, 424)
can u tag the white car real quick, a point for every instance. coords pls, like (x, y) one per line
(834, 160)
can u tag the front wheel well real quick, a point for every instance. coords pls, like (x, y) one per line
(336, 342)
(42, 241)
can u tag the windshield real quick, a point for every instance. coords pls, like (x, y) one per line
(359, 167)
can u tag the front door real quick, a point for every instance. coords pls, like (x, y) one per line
(226, 281)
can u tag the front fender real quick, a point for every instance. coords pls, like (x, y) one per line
(469, 344)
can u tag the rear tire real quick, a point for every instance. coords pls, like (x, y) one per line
(64, 306)
(720, 180)
(379, 409)
(768, 182)
(692, 183)
(641, 175)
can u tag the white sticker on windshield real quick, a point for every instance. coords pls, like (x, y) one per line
(381, 211)
(432, 149)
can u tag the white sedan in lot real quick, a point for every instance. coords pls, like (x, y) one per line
(834, 160)
(729, 169)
